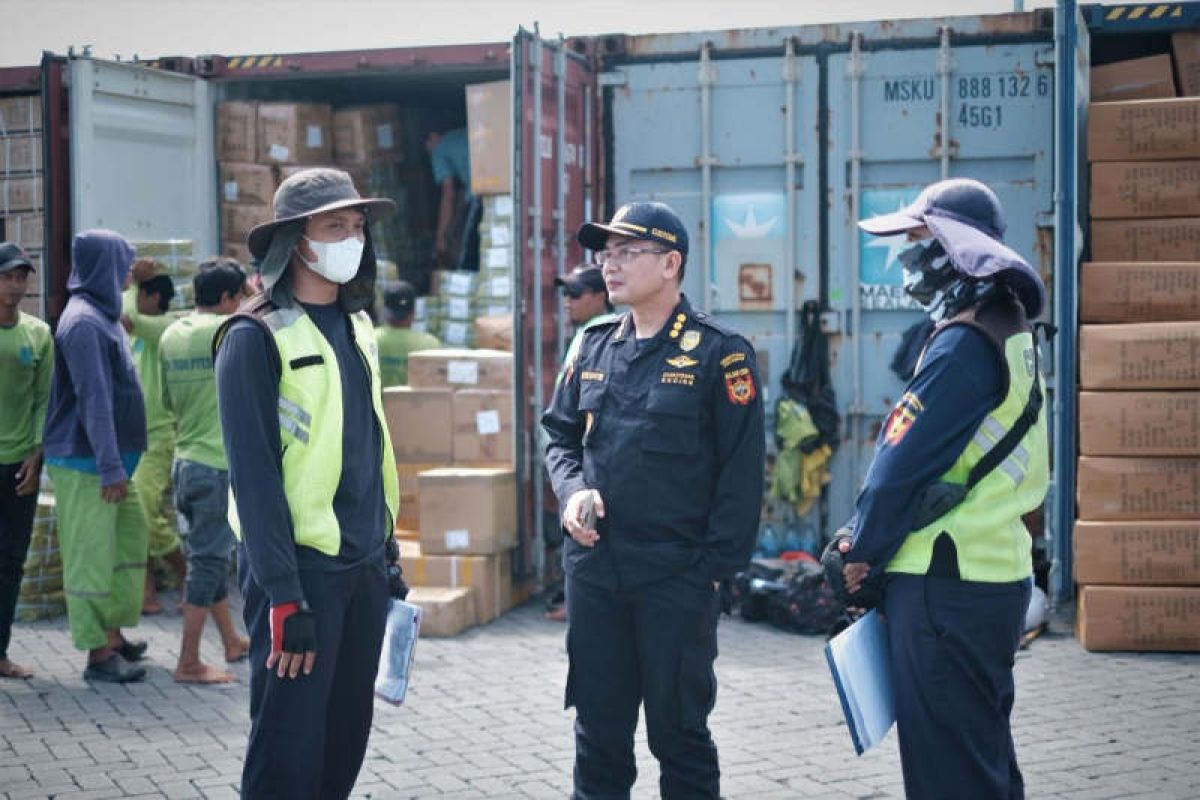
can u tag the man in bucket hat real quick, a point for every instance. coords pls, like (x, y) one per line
(938, 527)
(314, 486)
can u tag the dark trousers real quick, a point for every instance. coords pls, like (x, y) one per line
(953, 643)
(654, 645)
(16, 526)
(308, 734)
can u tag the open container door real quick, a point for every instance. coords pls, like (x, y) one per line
(142, 159)
(553, 95)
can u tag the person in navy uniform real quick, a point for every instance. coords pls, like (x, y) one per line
(962, 457)
(655, 433)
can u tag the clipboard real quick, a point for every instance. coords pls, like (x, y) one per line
(861, 668)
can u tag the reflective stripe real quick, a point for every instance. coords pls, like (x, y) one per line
(981, 441)
(81, 593)
(1021, 455)
(1013, 471)
(294, 428)
(994, 429)
(287, 406)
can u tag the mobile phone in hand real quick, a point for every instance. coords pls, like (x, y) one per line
(587, 512)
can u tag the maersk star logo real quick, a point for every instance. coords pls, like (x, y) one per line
(894, 245)
(750, 227)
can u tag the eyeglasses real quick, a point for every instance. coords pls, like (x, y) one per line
(624, 255)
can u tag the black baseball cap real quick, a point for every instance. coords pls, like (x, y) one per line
(648, 221)
(12, 256)
(584, 278)
(401, 299)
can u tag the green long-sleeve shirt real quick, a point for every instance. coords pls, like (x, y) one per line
(144, 339)
(189, 388)
(26, 367)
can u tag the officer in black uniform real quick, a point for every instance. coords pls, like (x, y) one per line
(656, 450)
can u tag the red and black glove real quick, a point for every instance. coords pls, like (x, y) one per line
(293, 628)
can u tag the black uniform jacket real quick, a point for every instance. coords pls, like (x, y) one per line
(669, 430)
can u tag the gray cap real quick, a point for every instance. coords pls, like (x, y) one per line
(967, 218)
(12, 256)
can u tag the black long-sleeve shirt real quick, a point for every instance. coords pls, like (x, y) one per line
(248, 396)
(669, 430)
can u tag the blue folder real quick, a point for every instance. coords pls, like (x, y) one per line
(858, 660)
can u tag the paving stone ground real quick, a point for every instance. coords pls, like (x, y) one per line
(484, 719)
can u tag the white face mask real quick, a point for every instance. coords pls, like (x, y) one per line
(336, 261)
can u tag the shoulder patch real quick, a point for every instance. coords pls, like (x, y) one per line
(902, 418)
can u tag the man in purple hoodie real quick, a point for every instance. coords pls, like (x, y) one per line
(95, 433)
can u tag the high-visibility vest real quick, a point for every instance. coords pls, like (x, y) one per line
(310, 426)
(991, 541)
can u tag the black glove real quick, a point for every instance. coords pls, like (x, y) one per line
(293, 629)
(833, 562)
(397, 588)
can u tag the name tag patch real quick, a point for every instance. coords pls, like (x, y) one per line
(679, 378)
(589, 375)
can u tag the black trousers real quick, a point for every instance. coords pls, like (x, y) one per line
(16, 527)
(953, 643)
(308, 735)
(653, 645)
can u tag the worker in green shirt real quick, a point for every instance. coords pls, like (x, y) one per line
(200, 473)
(397, 339)
(144, 306)
(26, 365)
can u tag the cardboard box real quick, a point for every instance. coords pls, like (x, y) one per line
(420, 423)
(294, 133)
(447, 611)
(238, 251)
(1139, 423)
(470, 511)
(483, 431)
(1144, 355)
(237, 131)
(489, 137)
(20, 113)
(26, 230)
(1124, 189)
(460, 369)
(1135, 79)
(1146, 239)
(1186, 47)
(21, 153)
(1138, 488)
(1139, 618)
(409, 518)
(366, 133)
(494, 332)
(1144, 130)
(488, 577)
(1118, 291)
(1136, 553)
(20, 194)
(247, 184)
(237, 220)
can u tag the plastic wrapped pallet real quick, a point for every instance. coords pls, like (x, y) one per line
(21, 153)
(41, 593)
(26, 230)
(20, 113)
(20, 194)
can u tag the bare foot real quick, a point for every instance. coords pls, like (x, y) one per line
(201, 673)
(239, 650)
(10, 670)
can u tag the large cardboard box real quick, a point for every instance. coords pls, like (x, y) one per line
(20, 194)
(25, 230)
(1144, 130)
(1139, 552)
(366, 133)
(488, 577)
(294, 133)
(409, 518)
(489, 137)
(1139, 423)
(237, 219)
(470, 511)
(248, 184)
(1143, 355)
(1124, 189)
(20, 113)
(1119, 291)
(1186, 47)
(483, 433)
(1135, 79)
(1138, 488)
(420, 422)
(1146, 239)
(22, 153)
(494, 332)
(447, 611)
(237, 131)
(1139, 618)
(460, 369)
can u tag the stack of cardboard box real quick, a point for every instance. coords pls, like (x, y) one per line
(21, 184)
(1137, 541)
(174, 258)
(452, 434)
(489, 137)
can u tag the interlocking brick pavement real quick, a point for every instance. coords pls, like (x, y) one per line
(484, 719)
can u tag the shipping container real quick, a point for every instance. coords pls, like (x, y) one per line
(770, 143)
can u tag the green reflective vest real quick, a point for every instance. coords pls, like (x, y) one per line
(310, 426)
(991, 540)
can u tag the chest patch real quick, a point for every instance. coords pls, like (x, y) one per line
(591, 375)
(682, 362)
(679, 378)
(689, 341)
